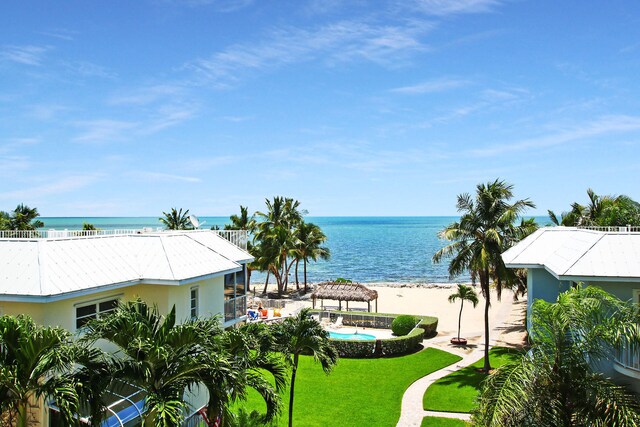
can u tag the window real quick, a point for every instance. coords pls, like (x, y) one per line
(636, 296)
(194, 303)
(240, 282)
(94, 310)
(229, 286)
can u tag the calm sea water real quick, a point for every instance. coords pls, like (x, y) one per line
(364, 249)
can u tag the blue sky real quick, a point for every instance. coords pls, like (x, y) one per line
(127, 108)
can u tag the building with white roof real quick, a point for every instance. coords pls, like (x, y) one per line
(557, 258)
(67, 279)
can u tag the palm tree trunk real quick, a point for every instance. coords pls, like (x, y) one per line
(305, 274)
(297, 281)
(22, 415)
(460, 317)
(291, 390)
(487, 303)
(248, 280)
(266, 283)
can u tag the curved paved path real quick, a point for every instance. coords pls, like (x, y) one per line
(412, 412)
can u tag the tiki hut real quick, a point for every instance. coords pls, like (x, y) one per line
(340, 291)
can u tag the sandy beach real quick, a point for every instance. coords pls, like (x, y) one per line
(432, 300)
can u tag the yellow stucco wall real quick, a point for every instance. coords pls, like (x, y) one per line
(63, 313)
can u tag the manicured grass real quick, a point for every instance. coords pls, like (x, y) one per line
(443, 422)
(457, 391)
(358, 392)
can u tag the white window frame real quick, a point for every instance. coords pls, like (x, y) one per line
(636, 296)
(194, 307)
(96, 303)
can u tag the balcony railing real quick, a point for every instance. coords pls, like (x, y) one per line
(612, 229)
(235, 308)
(629, 358)
(237, 237)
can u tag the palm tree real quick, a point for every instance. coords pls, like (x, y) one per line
(24, 218)
(302, 334)
(604, 210)
(166, 359)
(309, 238)
(275, 234)
(237, 360)
(485, 230)
(554, 384)
(34, 365)
(248, 223)
(96, 375)
(464, 293)
(155, 353)
(176, 220)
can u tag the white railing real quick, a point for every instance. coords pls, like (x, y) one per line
(612, 229)
(629, 358)
(58, 234)
(237, 237)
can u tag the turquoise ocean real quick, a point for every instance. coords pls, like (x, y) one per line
(363, 249)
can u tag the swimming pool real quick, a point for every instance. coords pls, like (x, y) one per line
(356, 336)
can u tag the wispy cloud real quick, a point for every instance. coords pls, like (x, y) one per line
(148, 95)
(88, 69)
(165, 177)
(224, 6)
(431, 86)
(104, 130)
(27, 55)
(63, 185)
(13, 144)
(602, 126)
(60, 33)
(333, 43)
(453, 7)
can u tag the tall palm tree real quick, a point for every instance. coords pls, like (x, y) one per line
(554, 384)
(24, 218)
(464, 293)
(34, 365)
(302, 334)
(309, 240)
(604, 210)
(247, 222)
(176, 220)
(485, 230)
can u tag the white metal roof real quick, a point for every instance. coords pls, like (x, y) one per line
(571, 253)
(37, 268)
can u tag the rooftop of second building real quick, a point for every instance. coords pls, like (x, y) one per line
(575, 253)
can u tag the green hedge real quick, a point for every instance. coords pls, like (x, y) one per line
(357, 349)
(402, 345)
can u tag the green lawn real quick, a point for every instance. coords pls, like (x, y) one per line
(358, 392)
(443, 422)
(457, 391)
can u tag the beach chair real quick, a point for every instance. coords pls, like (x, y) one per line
(253, 315)
(337, 324)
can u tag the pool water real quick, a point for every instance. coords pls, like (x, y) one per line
(361, 337)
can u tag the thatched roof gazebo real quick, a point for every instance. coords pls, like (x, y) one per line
(342, 291)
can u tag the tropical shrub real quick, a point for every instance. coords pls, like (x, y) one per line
(403, 324)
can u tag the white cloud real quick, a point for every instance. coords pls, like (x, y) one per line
(165, 177)
(333, 43)
(452, 7)
(63, 185)
(602, 126)
(148, 95)
(431, 86)
(104, 130)
(27, 55)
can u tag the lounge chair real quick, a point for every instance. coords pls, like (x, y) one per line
(253, 315)
(337, 324)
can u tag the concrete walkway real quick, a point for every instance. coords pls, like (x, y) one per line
(412, 411)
